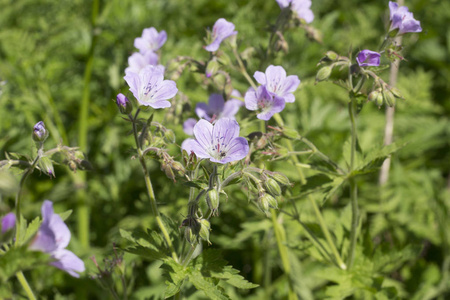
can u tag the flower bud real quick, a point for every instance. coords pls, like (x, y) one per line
(281, 178)
(263, 203)
(169, 135)
(46, 166)
(379, 100)
(40, 133)
(212, 198)
(272, 187)
(373, 95)
(205, 228)
(290, 133)
(191, 235)
(324, 73)
(125, 106)
(396, 93)
(331, 55)
(177, 166)
(389, 98)
(212, 67)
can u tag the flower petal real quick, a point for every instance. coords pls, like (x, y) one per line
(237, 149)
(231, 108)
(251, 101)
(224, 131)
(203, 133)
(191, 145)
(67, 261)
(260, 77)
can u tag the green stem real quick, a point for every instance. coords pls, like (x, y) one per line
(353, 187)
(83, 125)
(280, 236)
(313, 203)
(243, 69)
(151, 194)
(23, 281)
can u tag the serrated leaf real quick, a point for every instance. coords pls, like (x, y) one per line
(20, 259)
(210, 290)
(32, 228)
(175, 275)
(375, 158)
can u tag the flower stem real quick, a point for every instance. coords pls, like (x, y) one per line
(243, 69)
(316, 209)
(23, 281)
(353, 187)
(151, 194)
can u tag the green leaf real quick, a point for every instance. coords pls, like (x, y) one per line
(375, 158)
(203, 284)
(65, 214)
(20, 259)
(146, 245)
(32, 228)
(175, 275)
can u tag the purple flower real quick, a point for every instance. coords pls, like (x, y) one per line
(277, 83)
(188, 126)
(40, 133)
(150, 40)
(137, 61)
(8, 222)
(263, 101)
(217, 108)
(124, 104)
(301, 7)
(53, 237)
(150, 88)
(222, 29)
(219, 142)
(367, 58)
(402, 19)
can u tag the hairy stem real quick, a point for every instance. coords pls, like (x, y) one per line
(24, 283)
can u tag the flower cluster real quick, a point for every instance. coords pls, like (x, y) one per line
(52, 238)
(276, 89)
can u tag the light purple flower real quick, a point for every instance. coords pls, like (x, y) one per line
(222, 29)
(150, 40)
(301, 7)
(217, 108)
(188, 126)
(402, 19)
(277, 83)
(263, 101)
(219, 142)
(150, 88)
(367, 58)
(137, 61)
(40, 133)
(53, 237)
(8, 222)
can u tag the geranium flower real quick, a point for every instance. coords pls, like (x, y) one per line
(277, 83)
(219, 142)
(150, 88)
(402, 19)
(137, 61)
(367, 58)
(263, 101)
(188, 126)
(217, 108)
(301, 7)
(150, 40)
(222, 29)
(8, 222)
(53, 237)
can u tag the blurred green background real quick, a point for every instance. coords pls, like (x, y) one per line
(46, 46)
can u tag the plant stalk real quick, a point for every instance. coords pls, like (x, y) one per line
(23, 281)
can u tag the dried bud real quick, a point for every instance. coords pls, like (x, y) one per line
(212, 67)
(40, 133)
(212, 199)
(205, 228)
(324, 73)
(124, 105)
(272, 187)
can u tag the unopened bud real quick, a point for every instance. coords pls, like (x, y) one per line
(281, 178)
(212, 198)
(331, 55)
(46, 166)
(389, 98)
(125, 106)
(379, 100)
(205, 228)
(191, 234)
(373, 95)
(177, 166)
(220, 80)
(272, 187)
(169, 135)
(212, 67)
(73, 165)
(324, 73)
(396, 93)
(40, 133)
(290, 133)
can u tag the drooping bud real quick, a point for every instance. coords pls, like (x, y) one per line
(125, 106)
(46, 166)
(212, 199)
(205, 228)
(324, 73)
(281, 178)
(212, 67)
(40, 133)
(272, 187)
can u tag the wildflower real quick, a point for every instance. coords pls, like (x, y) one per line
(124, 104)
(301, 7)
(222, 29)
(150, 88)
(137, 61)
(150, 40)
(8, 222)
(263, 101)
(277, 83)
(217, 108)
(367, 58)
(40, 133)
(219, 142)
(53, 237)
(402, 19)
(188, 126)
